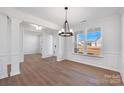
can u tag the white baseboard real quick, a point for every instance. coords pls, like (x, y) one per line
(59, 59)
(3, 68)
(4, 76)
(122, 69)
(46, 56)
(15, 73)
(122, 76)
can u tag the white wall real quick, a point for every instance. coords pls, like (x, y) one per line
(122, 47)
(31, 42)
(111, 27)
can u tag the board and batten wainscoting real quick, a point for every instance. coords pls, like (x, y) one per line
(10, 45)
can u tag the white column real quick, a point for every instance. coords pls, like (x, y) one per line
(16, 46)
(21, 43)
(60, 48)
(44, 45)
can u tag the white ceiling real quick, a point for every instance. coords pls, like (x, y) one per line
(29, 27)
(75, 14)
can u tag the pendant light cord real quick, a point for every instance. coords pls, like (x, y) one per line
(66, 8)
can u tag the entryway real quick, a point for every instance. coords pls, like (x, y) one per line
(38, 39)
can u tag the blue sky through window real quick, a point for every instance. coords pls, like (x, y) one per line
(81, 37)
(93, 36)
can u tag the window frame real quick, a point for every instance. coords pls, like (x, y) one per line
(85, 44)
(75, 40)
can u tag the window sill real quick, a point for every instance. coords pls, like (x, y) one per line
(100, 56)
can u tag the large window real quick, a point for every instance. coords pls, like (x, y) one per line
(90, 43)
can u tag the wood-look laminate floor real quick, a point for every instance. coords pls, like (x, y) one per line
(38, 71)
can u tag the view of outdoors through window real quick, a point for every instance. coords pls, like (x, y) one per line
(80, 43)
(89, 43)
(94, 43)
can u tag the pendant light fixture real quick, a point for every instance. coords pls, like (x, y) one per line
(66, 31)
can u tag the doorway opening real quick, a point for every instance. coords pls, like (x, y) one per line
(38, 40)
